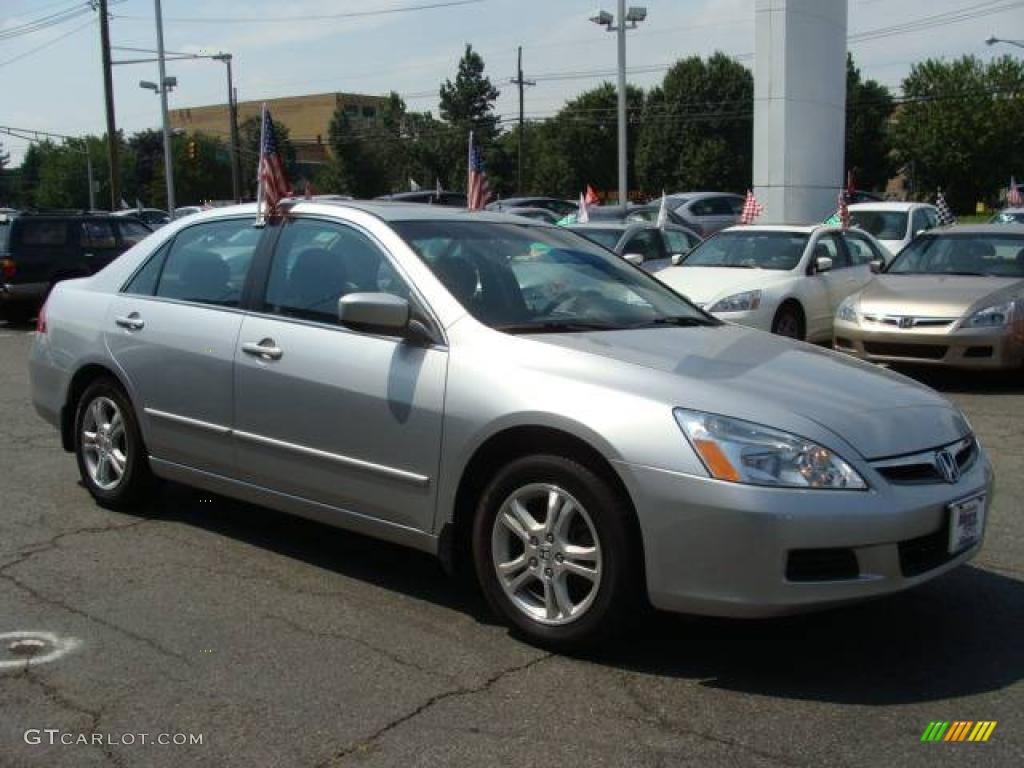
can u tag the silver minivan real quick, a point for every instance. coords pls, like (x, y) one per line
(506, 394)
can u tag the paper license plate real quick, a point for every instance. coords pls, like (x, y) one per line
(966, 522)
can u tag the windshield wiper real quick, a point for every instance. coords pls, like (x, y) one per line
(556, 326)
(679, 321)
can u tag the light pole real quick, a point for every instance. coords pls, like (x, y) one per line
(993, 40)
(236, 172)
(168, 83)
(627, 20)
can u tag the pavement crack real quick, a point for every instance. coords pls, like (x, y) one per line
(54, 542)
(655, 717)
(365, 743)
(54, 695)
(335, 635)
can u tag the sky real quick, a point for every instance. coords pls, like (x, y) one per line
(59, 87)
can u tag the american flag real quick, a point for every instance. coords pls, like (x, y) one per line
(751, 208)
(477, 191)
(273, 184)
(844, 208)
(1014, 197)
(946, 216)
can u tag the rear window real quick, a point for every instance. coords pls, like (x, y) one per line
(885, 225)
(606, 237)
(43, 232)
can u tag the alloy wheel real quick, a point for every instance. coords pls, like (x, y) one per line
(546, 554)
(104, 443)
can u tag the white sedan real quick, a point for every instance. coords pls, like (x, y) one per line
(894, 224)
(785, 279)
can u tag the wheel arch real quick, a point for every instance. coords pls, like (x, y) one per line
(794, 302)
(81, 380)
(504, 446)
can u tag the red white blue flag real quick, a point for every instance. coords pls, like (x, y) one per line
(273, 183)
(477, 191)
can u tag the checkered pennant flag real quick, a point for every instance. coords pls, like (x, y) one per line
(751, 208)
(946, 216)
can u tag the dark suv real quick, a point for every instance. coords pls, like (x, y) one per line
(38, 249)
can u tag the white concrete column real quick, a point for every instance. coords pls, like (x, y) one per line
(799, 108)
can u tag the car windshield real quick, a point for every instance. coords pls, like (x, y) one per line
(962, 254)
(750, 250)
(606, 237)
(1008, 217)
(524, 278)
(885, 225)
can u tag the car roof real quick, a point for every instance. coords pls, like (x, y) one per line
(698, 195)
(888, 205)
(804, 229)
(386, 210)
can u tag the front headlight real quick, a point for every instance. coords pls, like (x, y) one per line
(744, 452)
(738, 302)
(847, 311)
(991, 317)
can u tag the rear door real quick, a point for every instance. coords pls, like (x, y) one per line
(40, 247)
(173, 331)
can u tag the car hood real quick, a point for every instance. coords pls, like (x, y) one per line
(704, 285)
(934, 295)
(749, 374)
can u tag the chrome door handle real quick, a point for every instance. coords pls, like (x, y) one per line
(132, 322)
(265, 349)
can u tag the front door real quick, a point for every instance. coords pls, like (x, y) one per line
(173, 332)
(343, 418)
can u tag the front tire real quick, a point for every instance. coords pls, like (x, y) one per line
(108, 446)
(553, 551)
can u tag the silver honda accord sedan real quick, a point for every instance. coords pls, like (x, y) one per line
(512, 397)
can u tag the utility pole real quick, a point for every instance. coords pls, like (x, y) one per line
(236, 171)
(168, 159)
(623, 178)
(108, 92)
(522, 123)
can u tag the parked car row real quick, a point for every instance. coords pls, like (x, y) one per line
(514, 397)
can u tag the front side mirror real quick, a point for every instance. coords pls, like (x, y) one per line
(374, 312)
(877, 265)
(677, 259)
(920, 232)
(822, 264)
(634, 258)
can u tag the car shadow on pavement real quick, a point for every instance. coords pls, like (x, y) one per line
(957, 636)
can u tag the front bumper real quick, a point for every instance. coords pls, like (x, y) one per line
(979, 348)
(726, 549)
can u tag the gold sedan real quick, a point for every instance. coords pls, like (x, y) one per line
(953, 297)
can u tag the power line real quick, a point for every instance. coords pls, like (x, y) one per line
(47, 44)
(306, 17)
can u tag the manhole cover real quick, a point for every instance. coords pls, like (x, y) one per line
(22, 649)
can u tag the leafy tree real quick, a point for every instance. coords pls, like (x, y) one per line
(697, 128)
(579, 146)
(467, 104)
(869, 106)
(959, 129)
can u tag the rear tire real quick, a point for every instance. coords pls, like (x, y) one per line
(789, 322)
(564, 578)
(108, 446)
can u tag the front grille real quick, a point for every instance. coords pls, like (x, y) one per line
(978, 352)
(921, 468)
(904, 321)
(909, 351)
(837, 564)
(924, 553)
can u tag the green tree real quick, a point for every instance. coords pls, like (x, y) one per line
(869, 106)
(959, 128)
(696, 131)
(468, 104)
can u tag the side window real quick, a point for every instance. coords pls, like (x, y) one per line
(43, 232)
(97, 234)
(932, 216)
(647, 243)
(208, 263)
(736, 204)
(132, 232)
(861, 251)
(678, 242)
(701, 208)
(828, 245)
(720, 206)
(919, 221)
(144, 281)
(317, 262)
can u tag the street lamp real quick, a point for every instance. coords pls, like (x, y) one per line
(236, 173)
(993, 40)
(627, 20)
(169, 83)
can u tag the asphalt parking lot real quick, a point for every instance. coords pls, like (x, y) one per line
(286, 643)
